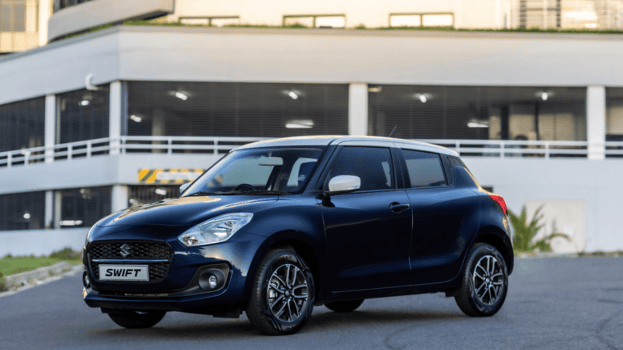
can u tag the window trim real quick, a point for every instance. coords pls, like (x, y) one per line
(209, 18)
(421, 15)
(283, 21)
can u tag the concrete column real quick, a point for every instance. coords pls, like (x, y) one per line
(50, 127)
(58, 201)
(115, 117)
(119, 197)
(358, 109)
(48, 221)
(596, 121)
(45, 11)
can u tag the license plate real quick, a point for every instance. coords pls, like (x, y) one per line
(124, 272)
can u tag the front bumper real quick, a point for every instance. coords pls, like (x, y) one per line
(180, 289)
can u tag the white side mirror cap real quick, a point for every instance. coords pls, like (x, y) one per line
(344, 183)
(184, 187)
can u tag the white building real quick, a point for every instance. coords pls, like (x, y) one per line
(97, 122)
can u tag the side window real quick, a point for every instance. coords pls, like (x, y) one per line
(373, 166)
(424, 168)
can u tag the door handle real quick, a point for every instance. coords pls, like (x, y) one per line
(397, 207)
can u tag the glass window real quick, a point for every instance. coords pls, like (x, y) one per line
(614, 114)
(5, 16)
(259, 170)
(22, 211)
(424, 169)
(482, 113)
(236, 109)
(372, 165)
(19, 16)
(83, 115)
(22, 124)
(330, 21)
(83, 207)
(306, 21)
(438, 20)
(316, 21)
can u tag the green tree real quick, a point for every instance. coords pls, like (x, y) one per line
(526, 231)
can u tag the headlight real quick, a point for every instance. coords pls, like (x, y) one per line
(218, 229)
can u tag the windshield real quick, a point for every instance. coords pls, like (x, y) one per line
(259, 171)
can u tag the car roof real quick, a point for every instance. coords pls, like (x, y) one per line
(351, 141)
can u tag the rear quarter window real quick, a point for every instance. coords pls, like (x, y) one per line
(424, 169)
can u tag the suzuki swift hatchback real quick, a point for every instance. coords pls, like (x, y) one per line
(277, 227)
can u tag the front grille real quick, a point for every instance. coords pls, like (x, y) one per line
(139, 250)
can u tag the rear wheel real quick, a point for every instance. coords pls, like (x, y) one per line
(485, 282)
(282, 295)
(137, 319)
(344, 306)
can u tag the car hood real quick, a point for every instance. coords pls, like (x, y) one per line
(184, 211)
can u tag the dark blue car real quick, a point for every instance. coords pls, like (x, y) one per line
(276, 227)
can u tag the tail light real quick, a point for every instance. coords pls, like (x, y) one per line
(500, 201)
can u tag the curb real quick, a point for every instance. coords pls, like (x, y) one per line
(22, 279)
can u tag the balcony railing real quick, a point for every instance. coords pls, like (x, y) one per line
(171, 145)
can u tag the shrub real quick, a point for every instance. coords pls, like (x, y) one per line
(66, 254)
(526, 231)
(2, 286)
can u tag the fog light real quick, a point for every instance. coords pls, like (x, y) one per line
(85, 280)
(212, 279)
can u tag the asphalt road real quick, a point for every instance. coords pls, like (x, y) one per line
(553, 303)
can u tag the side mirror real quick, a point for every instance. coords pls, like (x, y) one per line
(343, 184)
(184, 187)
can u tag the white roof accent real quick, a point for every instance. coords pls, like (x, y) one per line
(351, 141)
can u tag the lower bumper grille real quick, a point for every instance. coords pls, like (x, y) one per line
(138, 250)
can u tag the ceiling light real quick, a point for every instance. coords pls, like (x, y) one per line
(85, 102)
(544, 96)
(423, 98)
(161, 191)
(474, 123)
(293, 95)
(26, 216)
(182, 96)
(375, 89)
(300, 124)
(136, 118)
(70, 222)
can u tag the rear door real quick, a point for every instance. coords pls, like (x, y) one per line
(439, 210)
(368, 231)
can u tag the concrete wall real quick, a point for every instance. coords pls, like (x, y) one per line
(41, 242)
(596, 183)
(313, 56)
(92, 14)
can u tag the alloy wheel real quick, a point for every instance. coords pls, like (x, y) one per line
(488, 280)
(287, 293)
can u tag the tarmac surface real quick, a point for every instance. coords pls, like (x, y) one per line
(553, 303)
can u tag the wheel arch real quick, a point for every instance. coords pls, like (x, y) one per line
(499, 239)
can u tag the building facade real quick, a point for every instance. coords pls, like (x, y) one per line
(98, 122)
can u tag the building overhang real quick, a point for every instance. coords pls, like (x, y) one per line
(152, 53)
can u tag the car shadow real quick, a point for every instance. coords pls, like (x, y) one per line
(241, 328)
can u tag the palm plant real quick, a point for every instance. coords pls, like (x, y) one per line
(526, 231)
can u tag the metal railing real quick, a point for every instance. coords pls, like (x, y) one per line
(504, 148)
(171, 145)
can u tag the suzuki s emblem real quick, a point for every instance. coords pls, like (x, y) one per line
(126, 250)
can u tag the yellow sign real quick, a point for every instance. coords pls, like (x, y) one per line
(168, 176)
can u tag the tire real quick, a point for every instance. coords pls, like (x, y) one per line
(485, 282)
(344, 306)
(136, 319)
(267, 310)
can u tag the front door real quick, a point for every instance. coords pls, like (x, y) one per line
(368, 231)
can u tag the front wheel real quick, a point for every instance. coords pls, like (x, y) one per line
(282, 295)
(137, 319)
(485, 282)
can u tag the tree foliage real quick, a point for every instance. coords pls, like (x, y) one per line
(525, 232)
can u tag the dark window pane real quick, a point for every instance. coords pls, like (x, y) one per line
(424, 169)
(5, 17)
(484, 113)
(139, 195)
(83, 207)
(22, 124)
(83, 114)
(236, 109)
(372, 165)
(22, 211)
(19, 16)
